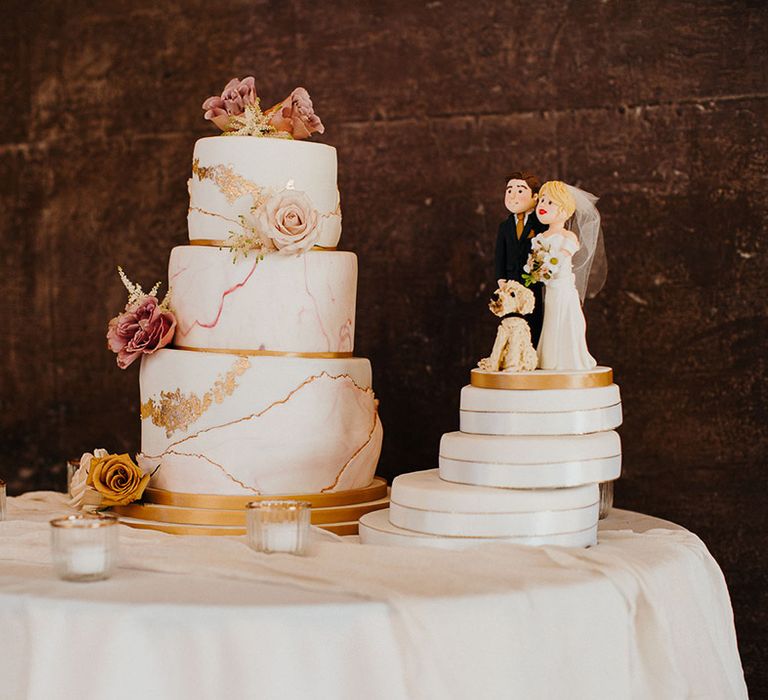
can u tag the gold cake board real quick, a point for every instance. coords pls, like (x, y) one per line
(214, 514)
(543, 379)
(340, 529)
(375, 490)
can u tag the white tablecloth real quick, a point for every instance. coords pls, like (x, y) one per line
(645, 614)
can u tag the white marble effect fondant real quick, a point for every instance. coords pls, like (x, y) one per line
(375, 528)
(291, 425)
(272, 164)
(288, 303)
(523, 423)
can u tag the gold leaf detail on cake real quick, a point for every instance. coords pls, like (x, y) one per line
(230, 184)
(177, 411)
(212, 213)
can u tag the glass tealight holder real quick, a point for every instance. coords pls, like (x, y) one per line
(2, 500)
(606, 498)
(278, 526)
(84, 547)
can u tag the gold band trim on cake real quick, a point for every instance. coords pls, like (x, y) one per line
(176, 515)
(269, 353)
(541, 379)
(340, 529)
(373, 492)
(216, 243)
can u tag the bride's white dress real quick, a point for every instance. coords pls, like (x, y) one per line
(563, 343)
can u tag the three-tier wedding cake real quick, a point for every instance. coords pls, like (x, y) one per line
(261, 393)
(249, 385)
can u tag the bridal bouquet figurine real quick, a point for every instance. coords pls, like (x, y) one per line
(541, 265)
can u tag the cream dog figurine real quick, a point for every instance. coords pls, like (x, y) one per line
(512, 350)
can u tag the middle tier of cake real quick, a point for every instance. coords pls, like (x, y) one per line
(219, 423)
(281, 303)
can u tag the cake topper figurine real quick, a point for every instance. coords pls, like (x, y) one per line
(512, 350)
(570, 262)
(513, 242)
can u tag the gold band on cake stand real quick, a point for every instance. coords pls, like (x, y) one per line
(218, 243)
(543, 379)
(176, 515)
(201, 514)
(340, 529)
(269, 353)
(376, 490)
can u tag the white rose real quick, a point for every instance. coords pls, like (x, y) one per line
(83, 496)
(289, 220)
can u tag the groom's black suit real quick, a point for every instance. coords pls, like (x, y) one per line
(511, 255)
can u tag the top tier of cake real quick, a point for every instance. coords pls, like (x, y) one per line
(230, 174)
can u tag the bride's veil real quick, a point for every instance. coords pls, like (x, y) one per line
(589, 263)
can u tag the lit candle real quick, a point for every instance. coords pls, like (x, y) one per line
(87, 559)
(281, 537)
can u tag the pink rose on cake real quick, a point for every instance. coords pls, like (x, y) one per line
(235, 97)
(144, 326)
(295, 115)
(289, 221)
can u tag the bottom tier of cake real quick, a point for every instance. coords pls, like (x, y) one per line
(234, 424)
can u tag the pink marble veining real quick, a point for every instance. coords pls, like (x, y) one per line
(303, 303)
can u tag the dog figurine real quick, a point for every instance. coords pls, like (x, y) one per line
(512, 350)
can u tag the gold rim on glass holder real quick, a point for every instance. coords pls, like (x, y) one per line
(86, 521)
(543, 379)
(375, 490)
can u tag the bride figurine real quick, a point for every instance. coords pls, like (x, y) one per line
(567, 257)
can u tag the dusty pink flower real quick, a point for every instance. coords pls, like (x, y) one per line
(141, 329)
(234, 98)
(289, 220)
(296, 116)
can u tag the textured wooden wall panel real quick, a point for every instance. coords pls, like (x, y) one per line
(658, 107)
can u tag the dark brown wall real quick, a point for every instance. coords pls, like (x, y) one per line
(659, 107)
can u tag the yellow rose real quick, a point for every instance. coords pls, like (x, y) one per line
(117, 479)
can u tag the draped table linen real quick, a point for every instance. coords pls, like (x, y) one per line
(644, 614)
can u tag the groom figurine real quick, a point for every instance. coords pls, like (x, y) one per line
(513, 243)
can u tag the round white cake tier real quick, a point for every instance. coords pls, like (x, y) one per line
(549, 423)
(283, 303)
(233, 174)
(376, 528)
(535, 523)
(422, 502)
(228, 424)
(539, 400)
(530, 462)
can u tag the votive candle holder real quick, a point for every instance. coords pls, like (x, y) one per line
(279, 526)
(606, 498)
(84, 547)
